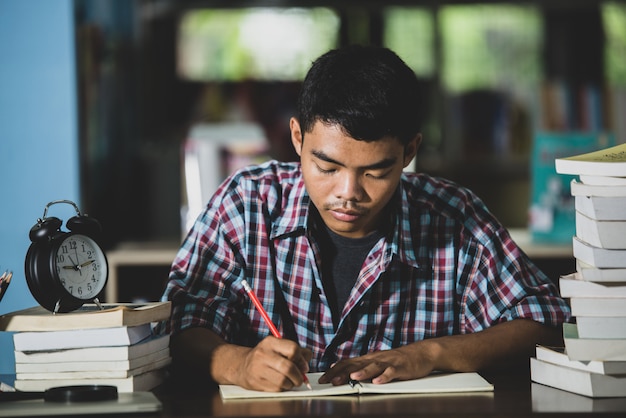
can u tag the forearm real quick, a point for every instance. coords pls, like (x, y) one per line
(274, 364)
(503, 344)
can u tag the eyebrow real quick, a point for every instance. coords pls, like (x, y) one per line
(382, 164)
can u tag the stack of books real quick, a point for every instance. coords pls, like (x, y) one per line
(110, 346)
(593, 361)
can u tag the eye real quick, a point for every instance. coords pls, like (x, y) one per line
(325, 170)
(378, 175)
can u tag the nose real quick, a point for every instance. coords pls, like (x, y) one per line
(349, 187)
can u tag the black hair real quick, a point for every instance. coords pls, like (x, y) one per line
(368, 91)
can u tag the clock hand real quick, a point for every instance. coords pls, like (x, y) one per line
(86, 263)
(75, 266)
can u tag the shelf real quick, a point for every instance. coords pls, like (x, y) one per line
(137, 254)
(540, 250)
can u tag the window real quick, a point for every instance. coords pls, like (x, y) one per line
(253, 43)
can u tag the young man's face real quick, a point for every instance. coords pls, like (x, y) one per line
(349, 181)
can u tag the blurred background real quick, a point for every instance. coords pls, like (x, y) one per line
(123, 105)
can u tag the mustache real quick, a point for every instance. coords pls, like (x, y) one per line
(346, 205)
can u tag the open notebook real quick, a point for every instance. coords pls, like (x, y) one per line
(434, 383)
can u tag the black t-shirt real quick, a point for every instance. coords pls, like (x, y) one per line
(342, 259)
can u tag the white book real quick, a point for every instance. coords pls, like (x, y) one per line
(93, 366)
(119, 353)
(598, 257)
(602, 327)
(595, 274)
(138, 383)
(571, 285)
(95, 374)
(434, 383)
(601, 207)
(96, 337)
(89, 315)
(577, 381)
(603, 180)
(551, 400)
(581, 189)
(599, 306)
(590, 349)
(558, 355)
(603, 234)
(605, 162)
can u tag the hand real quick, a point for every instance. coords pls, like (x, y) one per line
(409, 362)
(274, 365)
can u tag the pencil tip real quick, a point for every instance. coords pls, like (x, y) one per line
(309, 386)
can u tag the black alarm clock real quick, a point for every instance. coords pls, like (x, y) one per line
(65, 269)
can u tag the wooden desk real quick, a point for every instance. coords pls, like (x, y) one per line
(514, 396)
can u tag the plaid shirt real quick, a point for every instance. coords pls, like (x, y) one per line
(447, 267)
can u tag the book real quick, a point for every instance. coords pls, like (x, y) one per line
(95, 354)
(88, 316)
(585, 383)
(601, 207)
(96, 337)
(590, 349)
(598, 257)
(605, 162)
(571, 285)
(594, 274)
(581, 189)
(604, 327)
(94, 374)
(602, 180)
(138, 383)
(93, 366)
(603, 234)
(598, 306)
(551, 400)
(551, 212)
(434, 383)
(558, 355)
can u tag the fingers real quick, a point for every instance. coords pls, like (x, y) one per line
(275, 365)
(379, 367)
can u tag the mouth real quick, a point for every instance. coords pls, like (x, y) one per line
(345, 215)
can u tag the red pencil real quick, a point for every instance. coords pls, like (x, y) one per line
(268, 321)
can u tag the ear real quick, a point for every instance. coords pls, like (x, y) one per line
(410, 150)
(296, 135)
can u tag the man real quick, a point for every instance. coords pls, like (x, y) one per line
(367, 271)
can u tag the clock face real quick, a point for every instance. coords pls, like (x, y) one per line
(81, 266)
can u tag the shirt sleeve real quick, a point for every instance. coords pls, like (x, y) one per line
(500, 283)
(208, 262)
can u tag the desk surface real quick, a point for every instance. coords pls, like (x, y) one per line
(514, 396)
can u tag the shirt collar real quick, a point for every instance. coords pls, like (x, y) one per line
(401, 241)
(294, 220)
(296, 209)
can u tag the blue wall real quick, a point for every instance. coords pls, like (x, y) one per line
(38, 133)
